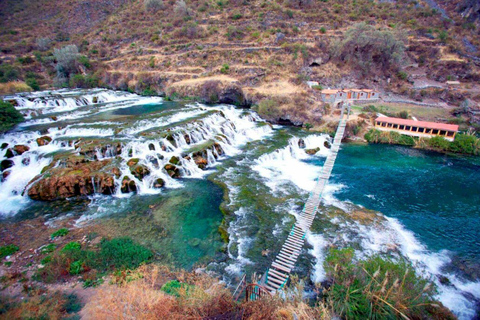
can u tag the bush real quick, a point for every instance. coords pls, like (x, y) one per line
(403, 114)
(153, 5)
(9, 116)
(8, 73)
(60, 233)
(8, 250)
(376, 288)
(225, 68)
(49, 248)
(81, 81)
(84, 61)
(237, 16)
(43, 44)
(402, 75)
(66, 59)
(32, 83)
(122, 253)
(268, 108)
(390, 137)
(466, 144)
(181, 8)
(367, 47)
(174, 288)
(299, 3)
(72, 246)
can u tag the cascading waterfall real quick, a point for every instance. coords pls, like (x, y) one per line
(189, 128)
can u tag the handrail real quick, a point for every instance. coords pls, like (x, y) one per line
(241, 285)
(255, 291)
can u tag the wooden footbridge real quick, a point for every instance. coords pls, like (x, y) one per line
(277, 275)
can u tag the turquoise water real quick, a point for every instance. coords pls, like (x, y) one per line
(436, 196)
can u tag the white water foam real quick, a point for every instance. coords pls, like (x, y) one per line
(286, 165)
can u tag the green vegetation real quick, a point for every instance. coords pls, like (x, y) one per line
(174, 287)
(377, 288)
(59, 233)
(225, 68)
(389, 137)
(463, 143)
(8, 250)
(49, 248)
(368, 47)
(8, 73)
(9, 116)
(115, 254)
(268, 109)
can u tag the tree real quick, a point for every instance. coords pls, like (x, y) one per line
(9, 116)
(66, 59)
(367, 47)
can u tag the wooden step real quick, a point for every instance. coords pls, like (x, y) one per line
(280, 267)
(279, 274)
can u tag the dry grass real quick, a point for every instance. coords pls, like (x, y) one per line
(420, 112)
(14, 87)
(143, 299)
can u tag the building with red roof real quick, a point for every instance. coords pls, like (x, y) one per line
(415, 128)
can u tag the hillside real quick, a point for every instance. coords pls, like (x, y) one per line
(246, 52)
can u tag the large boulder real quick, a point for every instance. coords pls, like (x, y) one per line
(128, 185)
(43, 141)
(5, 164)
(158, 183)
(172, 170)
(76, 179)
(140, 171)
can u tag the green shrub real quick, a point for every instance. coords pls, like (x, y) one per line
(8, 73)
(367, 47)
(323, 30)
(8, 250)
(467, 144)
(267, 108)
(60, 233)
(72, 303)
(237, 16)
(25, 60)
(76, 267)
(390, 137)
(439, 143)
(402, 75)
(49, 248)
(32, 83)
(317, 87)
(173, 288)
(153, 5)
(9, 116)
(84, 61)
(225, 69)
(122, 253)
(66, 59)
(289, 13)
(403, 114)
(72, 246)
(376, 288)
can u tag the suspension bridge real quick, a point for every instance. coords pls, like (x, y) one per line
(278, 274)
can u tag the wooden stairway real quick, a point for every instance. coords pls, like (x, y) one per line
(277, 275)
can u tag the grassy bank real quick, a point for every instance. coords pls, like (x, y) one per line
(463, 143)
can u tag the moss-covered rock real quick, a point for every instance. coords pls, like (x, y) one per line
(43, 141)
(9, 153)
(158, 183)
(172, 170)
(175, 160)
(128, 185)
(140, 171)
(132, 162)
(312, 151)
(73, 178)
